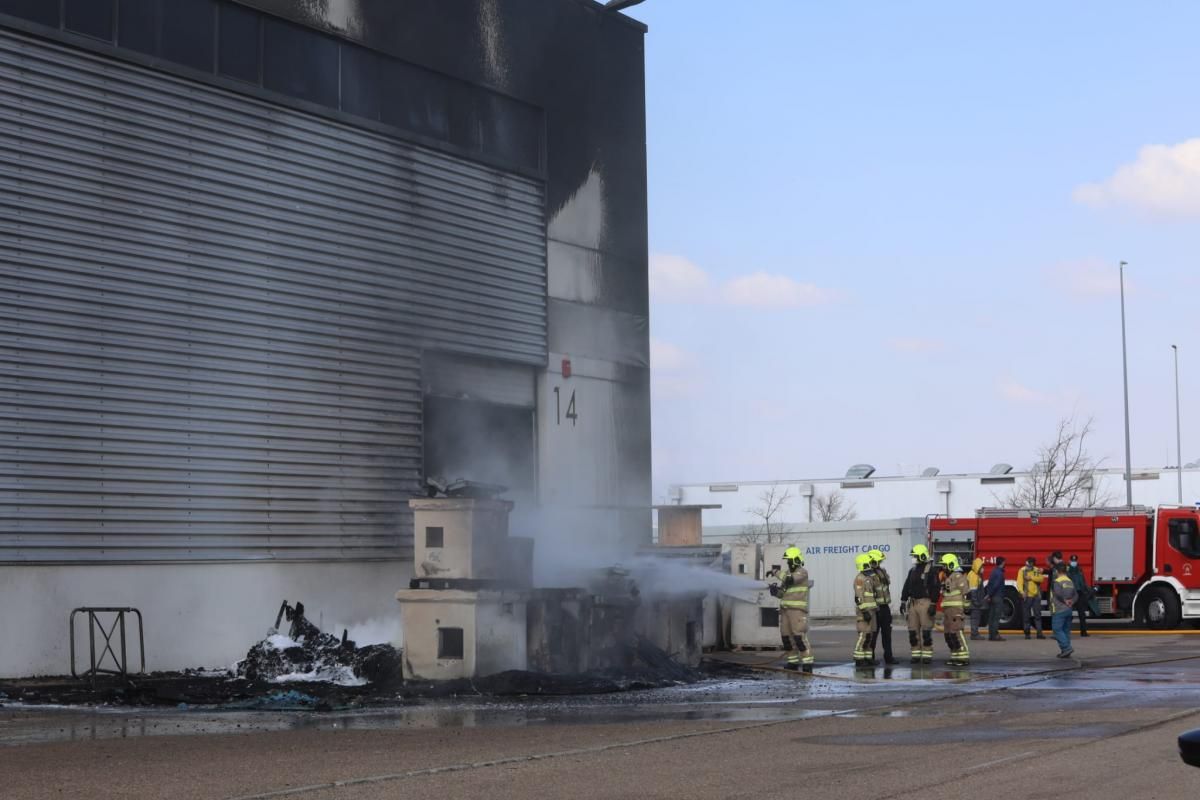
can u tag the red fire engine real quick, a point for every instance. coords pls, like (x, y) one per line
(1142, 563)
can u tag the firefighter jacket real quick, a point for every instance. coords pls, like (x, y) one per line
(921, 584)
(793, 590)
(954, 592)
(864, 592)
(1062, 593)
(1029, 581)
(883, 587)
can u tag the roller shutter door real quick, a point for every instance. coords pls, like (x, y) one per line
(213, 310)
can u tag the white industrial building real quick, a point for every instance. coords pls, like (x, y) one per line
(730, 504)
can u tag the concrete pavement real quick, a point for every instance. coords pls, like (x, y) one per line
(1104, 723)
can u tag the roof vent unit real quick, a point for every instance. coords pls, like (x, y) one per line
(930, 472)
(860, 472)
(1001, 469)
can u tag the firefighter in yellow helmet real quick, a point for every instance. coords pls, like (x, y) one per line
(864, 602)
(954, 600)
(918, 604)
(883, 599)
(792, 591)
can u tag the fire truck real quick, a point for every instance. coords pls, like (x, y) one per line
(1142, 563)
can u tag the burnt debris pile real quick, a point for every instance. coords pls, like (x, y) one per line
(307, 654)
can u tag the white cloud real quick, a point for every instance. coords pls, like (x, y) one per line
(1164, 180)
(1088, 279)
(763, 290)
(667, 357)
(915, 344)
(674, 278)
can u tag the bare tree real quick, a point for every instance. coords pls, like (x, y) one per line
(767, 529)
(1064, 475)
(833, 507)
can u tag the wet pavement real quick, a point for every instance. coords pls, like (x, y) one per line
(1111, 713)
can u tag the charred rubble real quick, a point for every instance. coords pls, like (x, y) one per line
(306, 669)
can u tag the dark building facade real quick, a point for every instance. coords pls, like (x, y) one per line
(268, 265)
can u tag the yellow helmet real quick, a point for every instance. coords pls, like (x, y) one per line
(920, 552)
(876, 555)
(950, 562)
(794, 557)
(862, 561)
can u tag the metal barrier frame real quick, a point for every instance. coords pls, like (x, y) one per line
(122, 663)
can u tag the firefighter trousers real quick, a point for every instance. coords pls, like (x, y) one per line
(920, 630)
(956, 641)
(884, 617)
(864, 645)
(793, 632)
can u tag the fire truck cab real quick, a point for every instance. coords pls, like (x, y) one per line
(1141, 563)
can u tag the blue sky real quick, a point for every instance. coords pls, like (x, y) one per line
(888, 232)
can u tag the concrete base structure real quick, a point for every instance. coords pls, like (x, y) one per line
(459, 634)
(196, 615)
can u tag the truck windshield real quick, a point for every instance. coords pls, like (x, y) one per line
(1184, 537)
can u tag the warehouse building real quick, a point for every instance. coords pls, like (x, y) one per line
(866, 495)
(269, 265)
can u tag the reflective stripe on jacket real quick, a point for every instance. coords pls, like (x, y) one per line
(883, 587)
(864, 592)
(795, 590)
(954, 594)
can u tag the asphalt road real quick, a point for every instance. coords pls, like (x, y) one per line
(1018, 724)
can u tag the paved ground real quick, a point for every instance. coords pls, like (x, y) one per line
(1012, 725)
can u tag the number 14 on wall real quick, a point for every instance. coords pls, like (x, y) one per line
(571, 413)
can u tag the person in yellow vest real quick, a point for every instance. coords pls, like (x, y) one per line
(975, 596)
(883, 601)
(1029, 585)
(954, 598)
(792, 591)
(865, 604)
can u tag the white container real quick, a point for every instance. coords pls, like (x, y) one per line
(754, 619)
(451, 634)
(460, 538)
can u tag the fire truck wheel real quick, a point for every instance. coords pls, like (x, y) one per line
(1160, 608)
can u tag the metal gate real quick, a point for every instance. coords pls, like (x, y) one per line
(212, 310)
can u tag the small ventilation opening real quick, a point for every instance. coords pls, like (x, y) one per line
(450, 642)
(769, 617)
(741, 569)
(435, 537)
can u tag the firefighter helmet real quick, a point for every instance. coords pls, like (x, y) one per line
(794, 557)
(950, 562)
(876, 555)
(862, 561)
(920, 552)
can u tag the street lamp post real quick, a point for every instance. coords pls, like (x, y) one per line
(1125, 373)
(1178, 427)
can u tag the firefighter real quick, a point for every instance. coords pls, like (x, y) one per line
(792, 592)
(954, 599)
(864, 601)
(883, 599)
(918, 604)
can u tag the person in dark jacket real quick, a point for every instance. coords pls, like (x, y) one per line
(993, 593)
(1082, 590)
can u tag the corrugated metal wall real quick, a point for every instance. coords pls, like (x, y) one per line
(213, 310)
